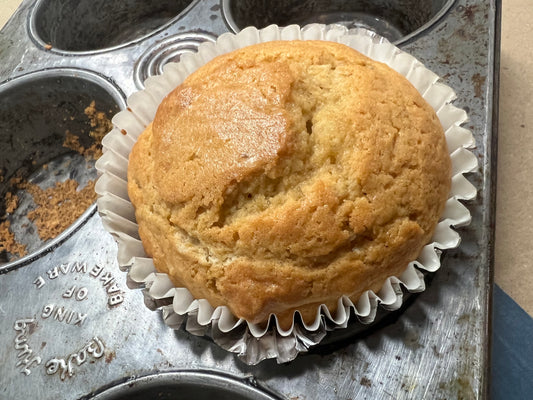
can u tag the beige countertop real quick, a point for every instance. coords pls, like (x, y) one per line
(7, 7)
(514, 214)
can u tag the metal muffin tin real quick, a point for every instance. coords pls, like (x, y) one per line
(70, 327)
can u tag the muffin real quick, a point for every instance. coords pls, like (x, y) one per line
(287, 174)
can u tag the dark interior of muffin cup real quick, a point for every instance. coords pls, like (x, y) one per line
(393, 19)
(82, 25)
(184, 385)
(36, 111)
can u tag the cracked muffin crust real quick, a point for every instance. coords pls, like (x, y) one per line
(284, 175)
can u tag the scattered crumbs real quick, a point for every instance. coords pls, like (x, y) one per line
(398, 357)
(365, 382)
(100, 126)
(72, 142)
(123, 131)
(59, 206)
(48, 46)
(11, 201)
(98, 121)
(15, 181)
(8, 242)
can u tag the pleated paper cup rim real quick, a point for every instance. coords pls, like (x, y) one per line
(252, 342)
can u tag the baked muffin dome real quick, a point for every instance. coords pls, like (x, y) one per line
(287, 174)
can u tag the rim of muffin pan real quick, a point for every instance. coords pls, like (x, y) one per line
(185, 384)
(396, 20)
(82, 27)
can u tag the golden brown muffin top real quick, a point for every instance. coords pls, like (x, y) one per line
(286, 174)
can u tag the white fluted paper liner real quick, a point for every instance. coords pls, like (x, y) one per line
(254, 343)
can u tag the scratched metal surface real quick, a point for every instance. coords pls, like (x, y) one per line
(71, 328)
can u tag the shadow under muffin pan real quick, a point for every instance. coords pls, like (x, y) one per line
(36, 112)
(73, 52)
(396, 20)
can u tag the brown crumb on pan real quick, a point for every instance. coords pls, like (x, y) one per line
(94, 151)
(59, 206)
(100, 126)
(8, 242)
(16, 181)
(11, 201)
(72, 142)
(48, 46)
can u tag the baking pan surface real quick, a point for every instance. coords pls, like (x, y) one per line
(72, 327)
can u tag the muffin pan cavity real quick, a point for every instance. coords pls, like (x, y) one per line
(51, 123)
(397, 20)
(81, 25)
(184, 385)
